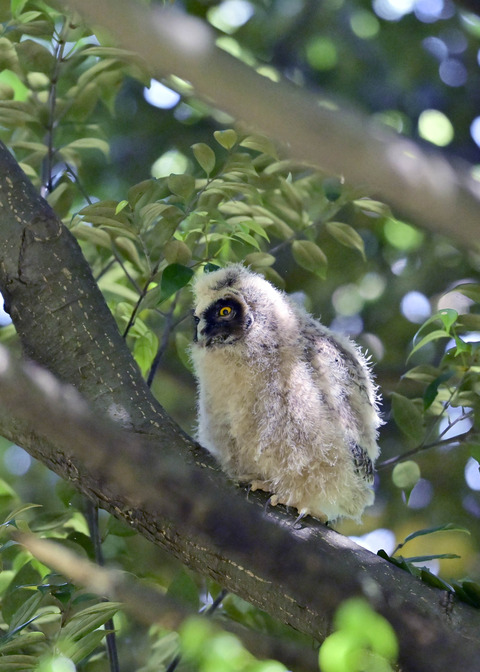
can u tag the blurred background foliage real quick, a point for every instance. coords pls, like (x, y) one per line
(155, 184)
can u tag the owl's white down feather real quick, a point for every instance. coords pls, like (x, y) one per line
(283, 402)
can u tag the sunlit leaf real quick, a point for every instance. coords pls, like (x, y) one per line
(432, 336)
(205, 156)
(246, 238)
(309, 256)
(144, 350)
(259, 259)
(375, 207)
(346, 235)
(226, 138)
(260, 143)
(406, 475)
(89, 143)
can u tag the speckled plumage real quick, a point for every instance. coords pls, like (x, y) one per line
(284, 403)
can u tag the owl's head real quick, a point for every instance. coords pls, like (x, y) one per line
(229, 304)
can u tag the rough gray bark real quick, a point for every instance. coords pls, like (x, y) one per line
(145, 470)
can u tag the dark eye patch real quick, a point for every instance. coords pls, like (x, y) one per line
(224, 309)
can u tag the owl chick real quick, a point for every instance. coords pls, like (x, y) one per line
(284, 403)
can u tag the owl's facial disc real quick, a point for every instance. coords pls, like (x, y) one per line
(224, 322)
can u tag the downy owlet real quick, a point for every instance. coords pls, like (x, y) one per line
(284, 403)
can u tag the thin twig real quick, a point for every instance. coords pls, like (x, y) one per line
(47, 186)
(143, 293)
(420, 449)
(91, 512)
(164, 343)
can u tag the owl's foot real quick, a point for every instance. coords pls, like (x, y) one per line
(262, 485)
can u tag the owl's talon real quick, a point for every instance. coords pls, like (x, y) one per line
(301, 515)
(260, 485)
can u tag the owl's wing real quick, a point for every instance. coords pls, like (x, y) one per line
(345, 383)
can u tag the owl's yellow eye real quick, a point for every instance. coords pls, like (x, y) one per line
(225, 311)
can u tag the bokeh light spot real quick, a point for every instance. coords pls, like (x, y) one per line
(160, 95)
(4, 317)
(401, 235)
(435, 127)
(17, 461)
(172, 161)
(392, 10)
(472, 474)
(475, 130)
(364, 24)
(415, 307)
(230, 15)
(452, 72)
(322, 53)
(347, 300)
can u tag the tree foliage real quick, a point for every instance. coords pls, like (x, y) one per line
(155, 195)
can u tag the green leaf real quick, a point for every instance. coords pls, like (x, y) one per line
(448, 527)
(309, 256)
(25, 613)
(184, 589)
(259, 259)
(407, 417)
(144, 350)
(465, 595)
(174, 277)
(177, 252)
(406, 475)
(80, 649)
(469, 289)
(181, 185)
(20, 642)
(438, 556)
(121, 205)
(19, 663)
(472, 589)
(424, 373)
(89, 619)
(89, 143)
(432, 580)
(210, 268)
(260, 143)
(226, 138)
(432, 336)
(430, 393)
(205, 156)
(374, 207)
(129, 248)
(448, 317)
(246, 238)
(346, 235)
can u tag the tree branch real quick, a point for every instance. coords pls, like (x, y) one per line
(420, 183)
(150, 475)
(220, 534)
